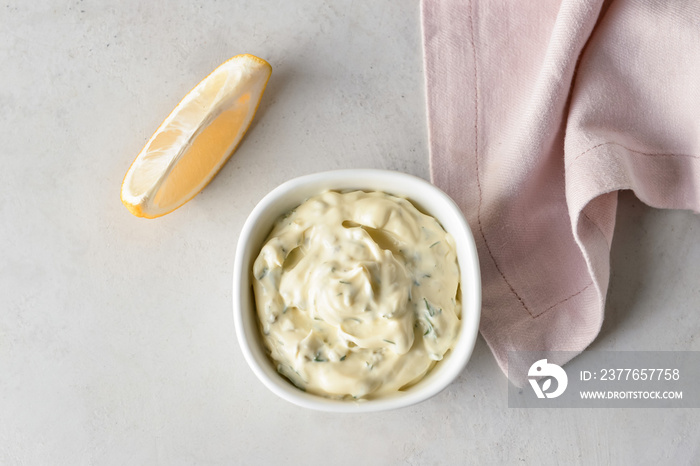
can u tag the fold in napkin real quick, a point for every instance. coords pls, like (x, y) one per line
(539, 112)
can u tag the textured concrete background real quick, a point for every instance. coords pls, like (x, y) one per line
(116, 335)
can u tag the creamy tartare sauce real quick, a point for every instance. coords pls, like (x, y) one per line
(357, 294)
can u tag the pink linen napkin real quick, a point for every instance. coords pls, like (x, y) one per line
(539, 112)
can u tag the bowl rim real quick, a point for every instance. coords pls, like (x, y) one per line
(363, 179)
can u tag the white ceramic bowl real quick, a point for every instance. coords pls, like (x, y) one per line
(289, 195)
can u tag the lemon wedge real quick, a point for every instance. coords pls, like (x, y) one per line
(196, 139)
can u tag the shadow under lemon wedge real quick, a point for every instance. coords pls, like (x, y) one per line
(196, 139)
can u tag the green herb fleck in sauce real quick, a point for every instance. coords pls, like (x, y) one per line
(430, 308)
(262, 274)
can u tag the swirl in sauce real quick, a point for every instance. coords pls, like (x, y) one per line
(357, 294)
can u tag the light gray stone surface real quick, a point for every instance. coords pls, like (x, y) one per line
(116, 335)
